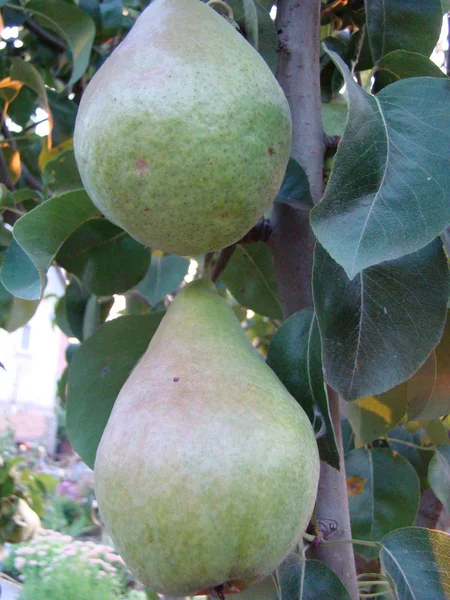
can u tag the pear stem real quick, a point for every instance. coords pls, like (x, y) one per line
(207, 265)
(224, 5)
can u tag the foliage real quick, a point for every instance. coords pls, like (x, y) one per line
(20, 489)
(51, 552)
(68, 516)
(376, 332)
(71, 582)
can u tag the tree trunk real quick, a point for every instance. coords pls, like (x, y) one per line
(292, 242)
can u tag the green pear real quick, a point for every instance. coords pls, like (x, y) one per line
(207, 471)
(183, 135)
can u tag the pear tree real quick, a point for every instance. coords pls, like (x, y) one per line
(263, 189)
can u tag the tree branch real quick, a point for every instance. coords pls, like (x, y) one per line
(292, 243)
(332, 507)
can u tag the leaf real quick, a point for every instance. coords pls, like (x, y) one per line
(417, 560)
(61, 174)
(19, 275)
(401, 64)
(379, 328)
(439, 475)
(435, 433)
(250, 277)
(394, 25)
(72, 24)
(373, 416)
(20, 313)
(295, 189)
(163, 277)
(105, 258)
(267, 37)
(384, 494)
(420, 459)
(300, 579)
(251, 22)
(262, 30)
(6, 198)
(334, 117)
(96, 311)
(41, 233)
(97, 372)
(27, 73)
(429, 388)
(295, 356)
(389, 191)
(73, 307)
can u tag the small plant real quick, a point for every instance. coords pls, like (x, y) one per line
(50, 551)
(73, 581)
(21, 494)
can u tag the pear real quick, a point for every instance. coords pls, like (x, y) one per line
(183, 135)
(207, 470)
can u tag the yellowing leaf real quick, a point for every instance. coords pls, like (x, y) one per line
(48, 154)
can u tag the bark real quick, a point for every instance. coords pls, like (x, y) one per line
(298, 25)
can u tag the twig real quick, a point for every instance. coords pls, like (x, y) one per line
(222, 261)
(51, 41)
(33, 125)
(410, 444)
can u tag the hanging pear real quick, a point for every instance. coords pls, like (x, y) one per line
(207, 471)
(183, 135)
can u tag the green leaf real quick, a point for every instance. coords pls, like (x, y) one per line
(25, 194)
(41, 233)
(439, 475)
(435, 432)
(328, 80)
(389, 191)
(97, 372)
(251, 22)
(300, 579)
(267, 37)
(384, 494)
(334, 117)
(96, 311)
(64, 112)
(379, 328)
(105, 258)
(163, 277)
(70, 317)
(429, 388)
(417, 560)
(373, 416)
(27, 73)
(6, 198)
(295, 189)
(19, 275)
(420, 459)
(20, 313)
(250, 277)
(295, 356)
(394, 25)
(6, 300)
(401, 64)
(72, 24)
(262, 31)
(61, 174)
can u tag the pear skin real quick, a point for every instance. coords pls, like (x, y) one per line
(207, 471)
(183, 135)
